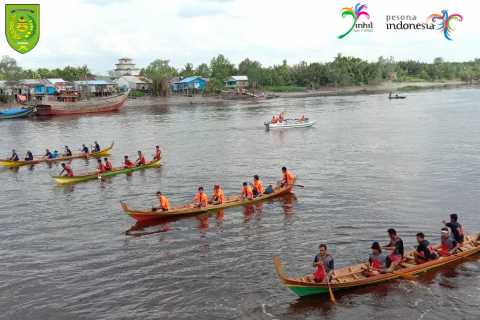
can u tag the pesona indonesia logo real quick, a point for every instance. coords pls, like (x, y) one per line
(443, 22)
(356, 13)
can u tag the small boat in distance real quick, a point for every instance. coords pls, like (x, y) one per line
(289, 123)
(395, 96)
(17, 112)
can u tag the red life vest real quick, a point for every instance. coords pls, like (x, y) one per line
(108, 166)
(319, 274)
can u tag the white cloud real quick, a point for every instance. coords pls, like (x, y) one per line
(98, 32)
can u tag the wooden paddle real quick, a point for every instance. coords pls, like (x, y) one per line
(330, 291)
(299, 185)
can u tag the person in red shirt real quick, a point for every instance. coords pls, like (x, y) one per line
(108, 165)
(127, 163)
(158, 153)
(247, 192)
(140, 160)
(67, 169)
(100, 166)
(201, 199)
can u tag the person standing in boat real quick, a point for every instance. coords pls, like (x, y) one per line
(127, 164)
(258, 189)
(218, 197)
(247, 193)
(108, 164)
(140, 160)
(377, 261)
(456, 228)
(201, 199)
(85, 149)
(324, 264)
(67, 169)
(448, 245)
(287, 178)
(425, 251)
(164, 203)
(29, 156)
(158, 153)
(396, 248)
(96, 147)
(68, 152)
(14, 156)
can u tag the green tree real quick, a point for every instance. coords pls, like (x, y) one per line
(159, 71)
(9, 70)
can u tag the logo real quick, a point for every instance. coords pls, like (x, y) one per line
(443, 22)
(356, 13)
(22, 26)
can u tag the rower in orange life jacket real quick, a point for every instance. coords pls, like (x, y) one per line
(448, 245)
(201, 199)
(158, 153)
(141, 159)
(425, 251)
(274, 120)
(164, 203)
(288, 178)
(127, 164)
(68, 171)
(218, 196)
(108, 164)
(258, 189)
(100, 166)
(247, 192)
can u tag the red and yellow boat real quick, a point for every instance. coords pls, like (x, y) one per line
(78, 155)
(190, 209)
(353, 277)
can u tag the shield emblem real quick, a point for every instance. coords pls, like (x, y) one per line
(22, 26)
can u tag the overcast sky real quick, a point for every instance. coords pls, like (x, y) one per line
(98, 32)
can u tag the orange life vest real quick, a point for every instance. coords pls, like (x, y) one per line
(128, 164)
(164, 203)
(141, 160)
(258, 185)
(218, 195)
(201, 198)
(288, 178)
(247, 192)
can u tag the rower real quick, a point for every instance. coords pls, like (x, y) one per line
(55, 154)
(48, 154)
(67, 169)
(247, 192)
(302, 119)
(280, 117)
(425, 251)
(29, 156)
(14, 156)
(448, 245)
(288, 178)
(158, 153)
(127, 164)
(108, 164)
(100, 166)
(274, 119)
(140, 160)
(68, 152)
(324, 265)
(396, 248)
(96, 147)
(456, 228)
(218, 197)
(85, 149)
(164, 203)
(258, 189)
(201, 199)
(377, 262)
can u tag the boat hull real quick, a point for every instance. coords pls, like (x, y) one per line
(63, 180)
(189, 210)
(16, 113)
(288, 125)
(302, 287)
(20, 163)
(102, 105)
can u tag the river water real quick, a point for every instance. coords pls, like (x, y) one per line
(368, 164)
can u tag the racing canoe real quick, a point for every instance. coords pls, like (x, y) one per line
(289, 123)
(94, 175)
(352, 277)
(190, 209)
(78, 155)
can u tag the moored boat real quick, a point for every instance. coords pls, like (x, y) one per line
(12, 164)
(187, 210)
(94, 175)
(352, 277)
(94, 105)
(19, 112)
(290, 123)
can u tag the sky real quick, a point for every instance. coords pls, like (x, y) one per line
(98, 32)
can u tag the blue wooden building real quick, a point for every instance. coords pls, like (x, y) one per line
(191, 84)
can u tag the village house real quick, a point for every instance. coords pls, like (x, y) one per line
(236, 82)
(189, 85)
(60, 84)
(134, 83)
(95, 87)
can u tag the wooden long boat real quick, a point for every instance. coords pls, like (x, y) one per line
(353, 276)
(12, 113)
(190, 209)
(290, 123)
(95, 105)
(79, 155)
(94, 175)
